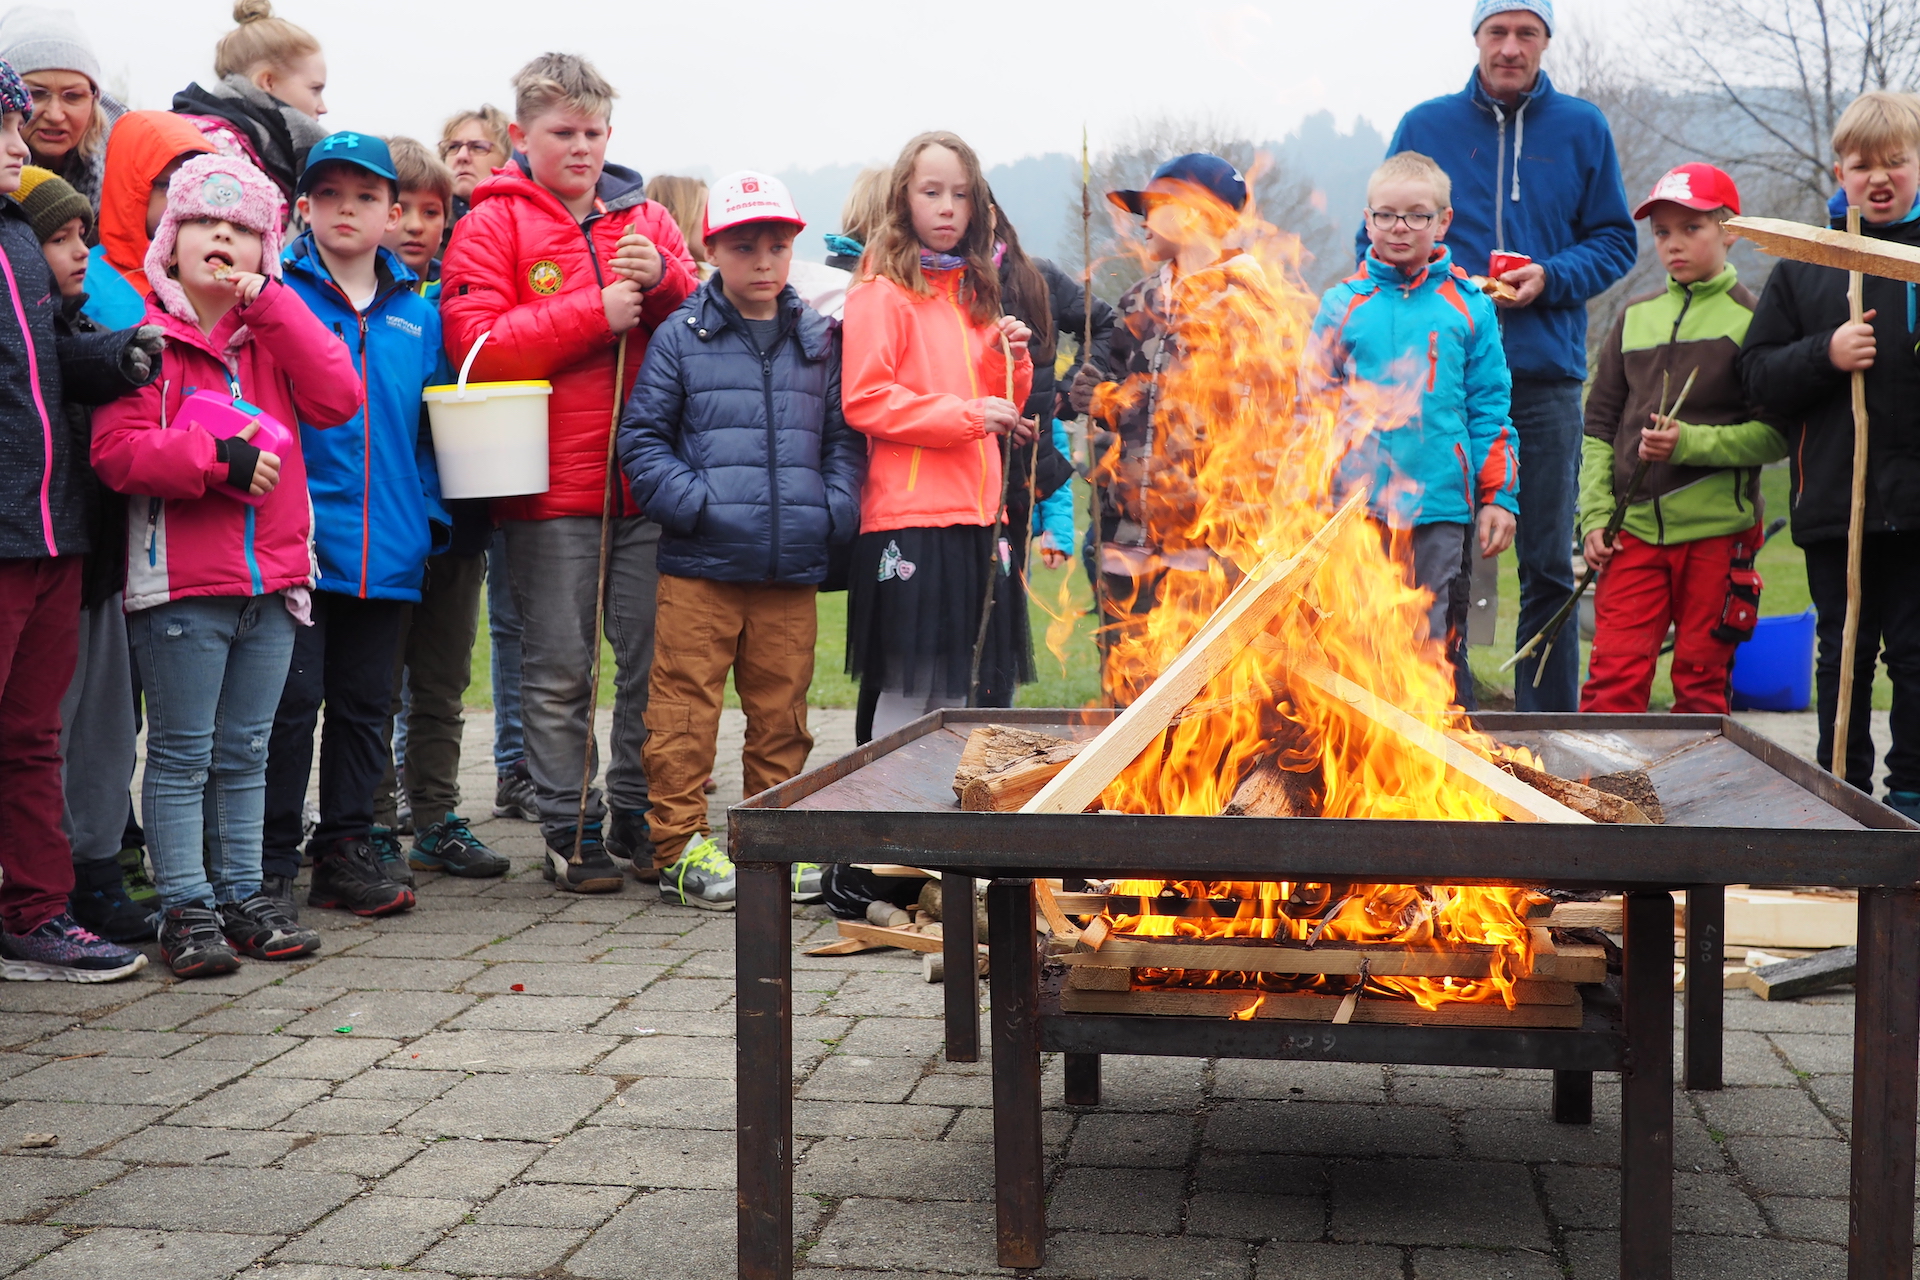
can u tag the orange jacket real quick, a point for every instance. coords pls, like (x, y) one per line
(913, 371)
(141, 146)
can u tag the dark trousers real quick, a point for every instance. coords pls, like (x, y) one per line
(1547, 418)
(345, 660)
(1889, 625)
(39, 637)
(435, 653)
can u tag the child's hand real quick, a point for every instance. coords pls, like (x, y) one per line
(1528, 283)
(246, 285)
(1051, 556)
(266, 466)
(1496, 530)
(622, 300)
(1657, 441)
(1016, 333)
(998, 416)
(1851, 349)
(635, 259)
(1595, 551)
(1085, 382)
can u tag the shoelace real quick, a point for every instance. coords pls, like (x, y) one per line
(457, 829)
(706, 856)
(76, 932)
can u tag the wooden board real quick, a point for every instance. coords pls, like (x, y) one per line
(1600, 806)
(1316, 1008)
(1819, 972)
(1577, 962)
(1526, 990)
(1267, 957)
(1829, 248)
(1782, 918)
(905, 938)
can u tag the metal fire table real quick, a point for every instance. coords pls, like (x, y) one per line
(1739, 809)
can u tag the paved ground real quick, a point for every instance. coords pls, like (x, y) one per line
(511, 1083)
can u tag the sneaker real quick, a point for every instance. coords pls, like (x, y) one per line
(192, 944)
(391, 855)
(702, 877)
(100, 904)
(62, 951)
(348, 876)
(1905, 803)
(807, 886)
(451, 847)
(513, 795)
(591, 872)
(137, 879)
(260, 929)
(627, 842)
(280, 889)
(711, 785)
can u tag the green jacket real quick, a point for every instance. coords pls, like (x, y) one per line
(1711, 485)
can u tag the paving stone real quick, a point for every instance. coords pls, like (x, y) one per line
(18, 1030)
(534, 1107)
(975, 1124)
(365, 1155)
(695, 1159)
(1808, 1219)
(1128, 1082)
(257, 1102)
(1533, 1136)
(1596, 1256)
(1792, 1166)
(162, 1011)
(424, 1085)
(493, 923)
(365, 973)
(178, 1255)
(1437, 1202)
(128, 1081)
(1822, 1055)
(674, 1022)
(1709, 1203)
(688, 1235)
(259, 1201)
(73, 997)
(1834, 1094)
(18, 1064)
(1774, 1113)
(1266, 1172)
(1287, 1261)
(1745, 1012)
(1457, 1094)
(910, 1236)
(114, 1044)
(894, 1038)
(534, 1013)
(612, 981)
(185, 1145)
(419, 946)
(1133, 1141)
(553, 1206)
(687, 995)
(1330, 1128)
(885, 995)
(674, 1104)
(501, 1051)
(81, 1126)
(21, 1245)
(266, 1012)
(461, 1169)
(1319, 1081)
(1749, 1058)
(1112, 1199)
(28, 1188)
(509, 1250)
(865, 1120)
(1476, 1264)
(252, 1050)
(607, 910)
(377, 1231)
(688, 1057)
(851, 1079)
(897, 1166)
(1085, 1256)
(350, 1115)
(1246, 1216)
(706, 933)
(394, 1014)
(330, 1057)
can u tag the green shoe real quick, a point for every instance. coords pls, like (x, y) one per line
(806, 882)
(133, 875)
(702, 877)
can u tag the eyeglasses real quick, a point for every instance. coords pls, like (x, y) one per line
(454, 146)
(71, 99)
(1414, 221)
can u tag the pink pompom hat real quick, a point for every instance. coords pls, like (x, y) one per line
(214, 186)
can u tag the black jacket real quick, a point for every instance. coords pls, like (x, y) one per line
(1785, 368)
(48, 493)
(1051, 469)
(106, 511)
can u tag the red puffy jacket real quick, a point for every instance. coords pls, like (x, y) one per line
(521, 268)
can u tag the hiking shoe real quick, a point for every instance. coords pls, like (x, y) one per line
(192, 944)
(701, 877)
(451, 847)
(390, 854)
(100, 904)
(137, 879)
(513, 794)
(627, 842)
(1905, 803)
(591, 872)
(347, 876)
(62, 951)
(280, 889)
(806, 885)
(260, 929)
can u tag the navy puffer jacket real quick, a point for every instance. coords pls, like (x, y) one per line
(744, 460)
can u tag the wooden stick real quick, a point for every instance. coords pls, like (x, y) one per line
(607, 504)
(993, 542)
(1452, 960)
(1856, 529)
(1318, 1008)
(1848, 250)
(1234, 624)
(1086, 358)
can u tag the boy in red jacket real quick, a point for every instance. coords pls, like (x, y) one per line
(562, 261)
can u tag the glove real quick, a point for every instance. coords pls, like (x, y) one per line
(141, 356)
(1080, 394)
(240, 457)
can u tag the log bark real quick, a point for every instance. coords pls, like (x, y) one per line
(1006, 788)
(993, 747)
(1272, 792)
(1588, 801)
(1633, 785)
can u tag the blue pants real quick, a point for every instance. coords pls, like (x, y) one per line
(212, 668)
(503, 632)
(1547, 418)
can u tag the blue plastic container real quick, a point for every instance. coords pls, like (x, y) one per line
(1774, 670)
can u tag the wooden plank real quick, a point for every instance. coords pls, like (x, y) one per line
(909, 939)
(1604, 915)
(1245, 614)
(1459, 961)
(1791, 979)
(1578, 962)
(845, 947)
(1316, 1008)
(1525, 991)
(1597, 805)
(1829, 248)
(1781, 918)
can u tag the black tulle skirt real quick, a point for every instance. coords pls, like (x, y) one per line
(913, 612)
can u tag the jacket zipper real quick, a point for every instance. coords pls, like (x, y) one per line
(973, 385)
(153, 503)
(773, 471)
(1673, 342)
(1499, 164)
(40, 406)
(366, 435)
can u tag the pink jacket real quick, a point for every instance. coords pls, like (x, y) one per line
(185, 537)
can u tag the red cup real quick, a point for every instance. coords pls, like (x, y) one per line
(1499, 262)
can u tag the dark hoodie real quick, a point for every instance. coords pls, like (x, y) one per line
(275, 136)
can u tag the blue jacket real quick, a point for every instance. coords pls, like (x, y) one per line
(1054, 514)
(1452, 441)
(1543, 181)
(744, 459)
(376, 492)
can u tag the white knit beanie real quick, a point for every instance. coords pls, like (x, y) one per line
(1542, 9)
(33, 38)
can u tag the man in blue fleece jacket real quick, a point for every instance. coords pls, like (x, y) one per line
(1534, 172)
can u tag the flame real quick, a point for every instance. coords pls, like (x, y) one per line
(1248, 437)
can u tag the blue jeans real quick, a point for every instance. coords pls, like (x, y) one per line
(503, 631)
(1547, 418)
(212, 668)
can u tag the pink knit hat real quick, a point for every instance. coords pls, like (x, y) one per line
(214, 186)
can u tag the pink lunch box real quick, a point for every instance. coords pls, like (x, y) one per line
(225, 416)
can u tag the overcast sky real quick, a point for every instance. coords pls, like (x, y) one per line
(774, 84)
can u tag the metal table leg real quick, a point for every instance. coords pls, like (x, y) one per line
(963, 973)
(1082, 1079)
(1705, 997)
(1019, 1171)
(763, 1067)
(1886, 1054)
(1573, 1097)
(1646, 1092)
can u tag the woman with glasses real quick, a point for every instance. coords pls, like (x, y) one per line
(71, 113)
(473, 144)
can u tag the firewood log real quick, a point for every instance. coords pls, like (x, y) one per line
(1595, 804)
(1635, 786)
(995, 746)
(1272, 792)
(1007, 788)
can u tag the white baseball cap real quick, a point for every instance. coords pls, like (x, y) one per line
(745, 197)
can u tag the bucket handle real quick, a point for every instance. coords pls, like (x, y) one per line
(460, 391)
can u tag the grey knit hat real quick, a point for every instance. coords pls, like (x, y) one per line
(33, 38)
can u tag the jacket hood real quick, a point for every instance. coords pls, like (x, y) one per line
(281, 134)
(1542, 91)
(142, 144)
(303, 258)
(620, 188)
(712, 312)
(1388, 276)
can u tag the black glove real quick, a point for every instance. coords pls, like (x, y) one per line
(241, 458)
(141, 356)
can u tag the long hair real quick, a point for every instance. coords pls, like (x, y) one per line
(685, 200)
(1024, 290)
(897, 256)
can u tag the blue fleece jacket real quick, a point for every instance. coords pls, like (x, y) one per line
(1540, 178)
(1435, 336)
(375, 489)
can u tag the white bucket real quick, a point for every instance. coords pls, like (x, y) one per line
(489, 438)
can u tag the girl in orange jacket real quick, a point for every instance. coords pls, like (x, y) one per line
(924, 377)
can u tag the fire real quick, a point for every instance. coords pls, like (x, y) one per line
(1248, 438)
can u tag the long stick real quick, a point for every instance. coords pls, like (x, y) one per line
(993, 544)
(1856, 519)
(1098, 573)
(600, 594)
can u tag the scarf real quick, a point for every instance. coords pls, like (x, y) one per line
(931, 261)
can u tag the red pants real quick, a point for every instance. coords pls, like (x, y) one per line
(1641, 591)
(39, 643)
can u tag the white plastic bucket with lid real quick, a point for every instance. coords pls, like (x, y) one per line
(489, 438)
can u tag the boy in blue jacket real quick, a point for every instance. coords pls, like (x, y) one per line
(734, 442)
(375, 496)
(1411, 314)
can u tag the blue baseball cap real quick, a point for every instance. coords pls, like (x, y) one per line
(1197, 169)
(363, 149)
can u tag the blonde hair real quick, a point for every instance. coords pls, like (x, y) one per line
(1878, 125)
(260, 40)
(865, 211)
(560, 80)
(685, 200)
(418, 169)
(1411, 166)
(896, 255)
(490, 118)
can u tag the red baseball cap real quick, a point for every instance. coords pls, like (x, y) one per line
(1696, 186)
(747, 196)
